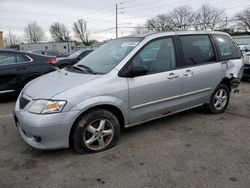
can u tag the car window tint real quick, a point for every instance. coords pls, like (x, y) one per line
(7, 58)
(50, 53)
(10, 58)
(20, 58)
(157, 56)
(227, 47)
(197, 49)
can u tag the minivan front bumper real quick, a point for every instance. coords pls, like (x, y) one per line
(45, 131)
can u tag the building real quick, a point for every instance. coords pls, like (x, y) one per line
(1, 39)
(63, 47)
(242, 39)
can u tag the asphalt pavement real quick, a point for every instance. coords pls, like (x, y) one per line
(189, 149)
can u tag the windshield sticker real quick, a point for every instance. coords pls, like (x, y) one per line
(132, 44)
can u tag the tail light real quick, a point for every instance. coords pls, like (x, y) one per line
(52, 61)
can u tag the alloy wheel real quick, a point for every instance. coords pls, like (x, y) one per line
(220, 99)
(98, 134)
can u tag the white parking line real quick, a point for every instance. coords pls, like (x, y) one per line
(5, 116)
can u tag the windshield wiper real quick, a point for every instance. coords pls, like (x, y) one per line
(75, 67)
(86, 68)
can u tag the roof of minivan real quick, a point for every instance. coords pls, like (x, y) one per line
(167, 33)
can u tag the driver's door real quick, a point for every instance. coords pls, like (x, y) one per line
(13, 70)
(158, 92)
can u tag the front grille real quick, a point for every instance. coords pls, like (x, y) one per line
(23, 102)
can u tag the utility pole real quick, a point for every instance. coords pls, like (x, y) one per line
(10, 38)
(116, 21)
(226, 22)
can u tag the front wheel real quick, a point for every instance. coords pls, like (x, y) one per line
(219, 100)
(96, 131)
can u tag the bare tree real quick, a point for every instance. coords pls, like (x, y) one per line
(59, 32)
(34, 33)
(159, 23)
(81, 32)
(243, 19)
(11, 40)
(182, 17)
(141, 29)
(208, 17)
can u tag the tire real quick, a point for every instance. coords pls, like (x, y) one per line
(219, 100)
(95, 131)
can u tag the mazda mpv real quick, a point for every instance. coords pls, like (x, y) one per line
(125, 82)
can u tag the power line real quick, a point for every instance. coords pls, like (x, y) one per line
(143, 4)
(104, 30)
(194, 24)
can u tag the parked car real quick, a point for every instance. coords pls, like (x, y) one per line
(72, 58)
(125, 82)
(244, 48)
(246, 73)
(18, 68)
(50, 53)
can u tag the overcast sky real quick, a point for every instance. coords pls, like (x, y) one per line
(99, 14)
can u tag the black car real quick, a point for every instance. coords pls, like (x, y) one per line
(50, 53)
(72, 59)
(246, 73)
(18, 68)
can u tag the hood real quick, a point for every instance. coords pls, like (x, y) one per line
(49, 85)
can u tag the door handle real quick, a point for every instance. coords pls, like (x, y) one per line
(172, 76)
(188, 73)
(18, 69)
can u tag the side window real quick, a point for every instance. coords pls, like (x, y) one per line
(197, 49)
(10, 58)
(227, 47)
(50, 53)
(7, 58)
(157, 56)
(20, 58)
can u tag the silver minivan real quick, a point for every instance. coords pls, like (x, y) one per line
(125, 82)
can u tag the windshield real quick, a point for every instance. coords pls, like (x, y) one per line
(106, 57)
(75, 54)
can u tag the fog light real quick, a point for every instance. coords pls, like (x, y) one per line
(37, 138)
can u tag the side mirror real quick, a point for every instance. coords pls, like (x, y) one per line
(134, 71)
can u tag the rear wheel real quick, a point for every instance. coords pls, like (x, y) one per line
(96, 131)
(219, 100)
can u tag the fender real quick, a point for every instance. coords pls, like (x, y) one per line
(234, 68)
(104, 100)
(234, 72)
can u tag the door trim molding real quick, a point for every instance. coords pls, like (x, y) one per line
(170, 98)
(7, 91)
(165, 115)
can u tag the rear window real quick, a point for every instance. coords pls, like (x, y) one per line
(228, 49)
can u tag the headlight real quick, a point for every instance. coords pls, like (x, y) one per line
(47, 106)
